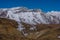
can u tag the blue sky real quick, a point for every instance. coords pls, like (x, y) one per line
(45, 5)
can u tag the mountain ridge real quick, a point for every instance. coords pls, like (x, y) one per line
(36, 13)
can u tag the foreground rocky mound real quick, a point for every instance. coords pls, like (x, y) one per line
(8, 30)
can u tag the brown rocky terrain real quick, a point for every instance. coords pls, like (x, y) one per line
(43, 32)
(8, 31)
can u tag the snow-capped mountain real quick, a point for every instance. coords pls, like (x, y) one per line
(30, 16)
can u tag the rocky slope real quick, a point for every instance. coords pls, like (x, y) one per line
(8, 30)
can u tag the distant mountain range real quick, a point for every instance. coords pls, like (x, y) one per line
(30, 16)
